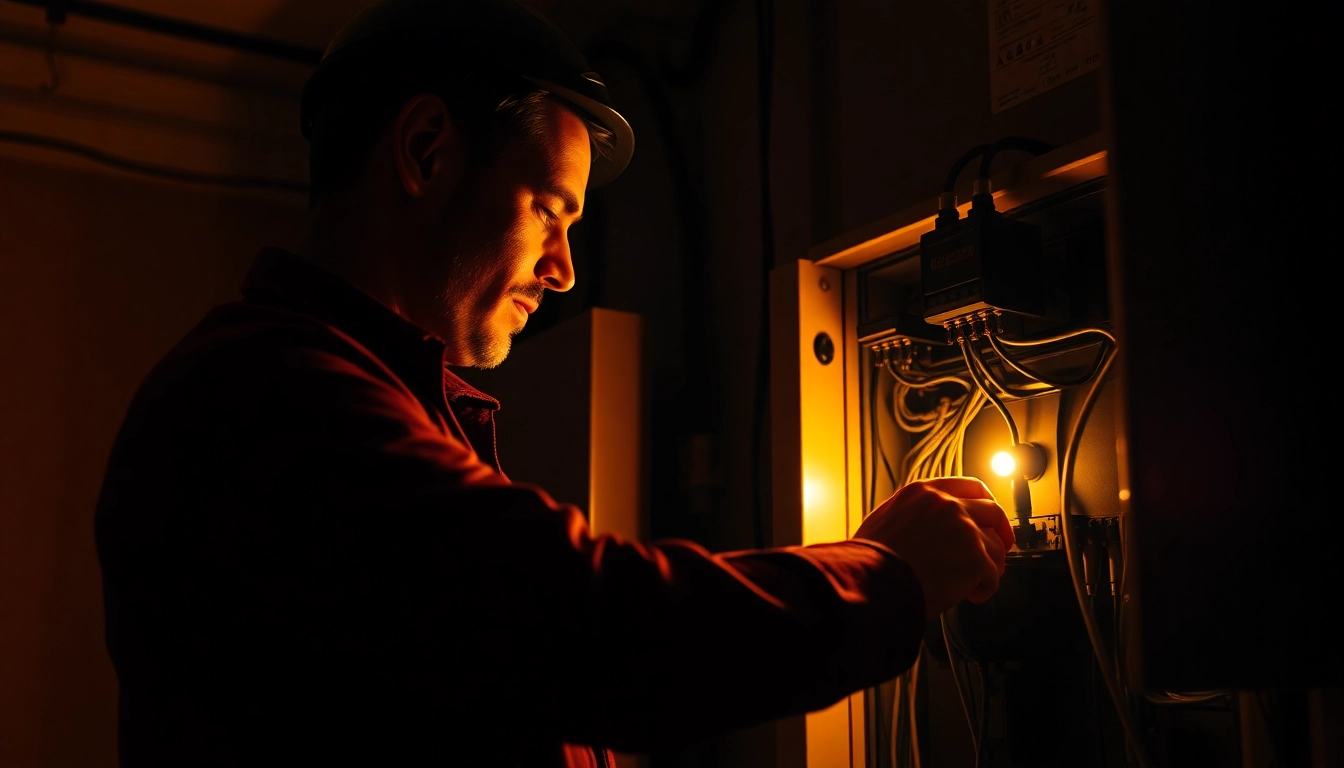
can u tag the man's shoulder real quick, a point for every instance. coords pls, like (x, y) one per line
(241, 350)
(238, 332)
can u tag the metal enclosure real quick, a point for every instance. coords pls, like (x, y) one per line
(1211, 436)
(830, 446)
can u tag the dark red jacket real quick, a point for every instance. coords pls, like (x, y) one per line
(310, 557)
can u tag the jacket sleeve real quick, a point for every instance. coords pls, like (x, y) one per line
(356, 525)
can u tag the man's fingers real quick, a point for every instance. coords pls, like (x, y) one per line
(988, 585)
(995, 549)
(993, 568)
(990, 516)
(961, 487)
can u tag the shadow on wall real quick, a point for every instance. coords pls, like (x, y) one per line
(100, 276)
(101, 272)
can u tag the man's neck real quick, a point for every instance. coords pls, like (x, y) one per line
(343, 238)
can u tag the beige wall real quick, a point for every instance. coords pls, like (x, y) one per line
(99, 274)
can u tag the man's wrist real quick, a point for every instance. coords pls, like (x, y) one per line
(879, 546)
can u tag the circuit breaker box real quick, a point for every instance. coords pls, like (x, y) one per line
(871, 389)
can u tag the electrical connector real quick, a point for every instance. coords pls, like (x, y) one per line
(984, 261)
(898, 326)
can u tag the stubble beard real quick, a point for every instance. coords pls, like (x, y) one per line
(487, 350)
(471, 304)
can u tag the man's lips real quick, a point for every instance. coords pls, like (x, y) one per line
(525, 305)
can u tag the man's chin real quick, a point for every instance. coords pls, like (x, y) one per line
(486, 364)
(490, 352)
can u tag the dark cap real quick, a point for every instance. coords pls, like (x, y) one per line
(492, 36)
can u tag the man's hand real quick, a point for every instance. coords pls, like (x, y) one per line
(951, 532)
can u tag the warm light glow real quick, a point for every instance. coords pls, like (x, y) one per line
(1124, 494)
(814, 493)
(1003, 464)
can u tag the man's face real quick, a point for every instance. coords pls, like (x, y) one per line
(506, 234)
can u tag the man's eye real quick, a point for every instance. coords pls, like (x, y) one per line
(546, 213)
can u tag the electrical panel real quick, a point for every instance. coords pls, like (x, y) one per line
(984, 346)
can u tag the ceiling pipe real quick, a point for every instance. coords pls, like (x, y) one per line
(59, 10)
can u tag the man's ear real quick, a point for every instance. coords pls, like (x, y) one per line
(426, 145)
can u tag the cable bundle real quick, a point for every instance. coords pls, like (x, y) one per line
(960, 398)
(938, 453)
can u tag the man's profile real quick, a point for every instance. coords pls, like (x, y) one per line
(310, 554)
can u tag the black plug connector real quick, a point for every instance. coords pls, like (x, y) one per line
(947, 201)
(985, 261)
(982, 199)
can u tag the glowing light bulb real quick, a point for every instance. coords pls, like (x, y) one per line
(1002, 463)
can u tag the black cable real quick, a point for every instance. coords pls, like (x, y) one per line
(947, 201)
(950, 186)
(947, 206)
(1019, 143)
(981, 750)
(151, 169)
(694, 281)
(58, 10)
(765, 31)
(982, 198)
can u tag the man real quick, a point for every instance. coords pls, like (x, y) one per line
(310, 554)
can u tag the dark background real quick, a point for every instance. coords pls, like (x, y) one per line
(101, 270)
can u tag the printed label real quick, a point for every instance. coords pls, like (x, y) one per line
(1036, 45)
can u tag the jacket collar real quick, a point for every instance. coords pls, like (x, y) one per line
(281, 278)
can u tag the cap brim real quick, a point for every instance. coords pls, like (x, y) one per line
(605, 169)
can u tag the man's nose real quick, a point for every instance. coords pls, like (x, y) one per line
(556, 268)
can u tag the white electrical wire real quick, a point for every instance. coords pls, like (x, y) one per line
(940, 454)
(974, 364)
(963, 686)
(1071, 553)
(988, 376)
(1112, 671)
(913, 460)
(896, 697)
(937, 454)
(910, 421)
(998, 344)
(984, 378)
(1122, 609)
(910, 707)
(1047, 340)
